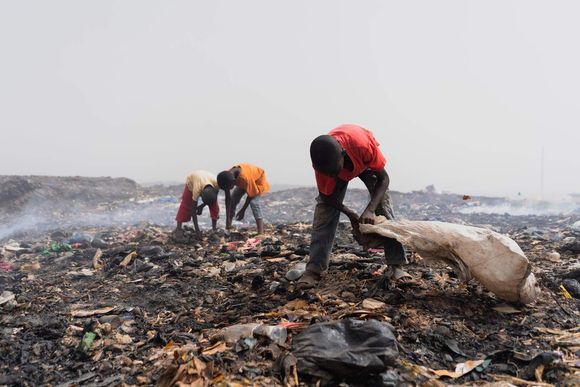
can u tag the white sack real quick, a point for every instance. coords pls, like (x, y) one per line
(494, 259)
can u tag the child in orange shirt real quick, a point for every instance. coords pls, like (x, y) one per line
(245, 179)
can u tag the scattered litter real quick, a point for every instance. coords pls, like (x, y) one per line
(195, 372)
(155, 320)
(5, 266)
(127, 260)
(87, 341)
(565, 292)
(88, 313)
(234, 333)
(97, 263)
(216, 348)
(296, 271)
(6, 296)
(460, 369)
(372, 304)
(572, 286)
(81, 273)
(34, 266)
(506, 309)
(56, 247)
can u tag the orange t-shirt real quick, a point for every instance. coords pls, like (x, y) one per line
(252, 179)
(363, 150)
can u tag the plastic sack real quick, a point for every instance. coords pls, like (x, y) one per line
(493, 259)
(345, 349)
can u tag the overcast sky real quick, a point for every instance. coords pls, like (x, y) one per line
(460, 94)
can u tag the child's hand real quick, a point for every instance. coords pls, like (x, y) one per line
(367, 217)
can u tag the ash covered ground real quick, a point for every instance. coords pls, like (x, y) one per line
(93, 291)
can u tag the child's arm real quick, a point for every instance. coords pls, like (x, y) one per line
(194, 218)
(241, 213)
(381, 187)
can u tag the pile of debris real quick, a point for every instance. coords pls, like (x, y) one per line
(93, 291)
(111, 305)
(36, 204)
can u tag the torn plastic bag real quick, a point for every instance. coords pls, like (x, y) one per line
(345, 349)
(494, 259)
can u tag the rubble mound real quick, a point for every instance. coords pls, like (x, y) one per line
(18, 189)
(52, 197)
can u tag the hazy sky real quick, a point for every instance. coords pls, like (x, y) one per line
(461, 94)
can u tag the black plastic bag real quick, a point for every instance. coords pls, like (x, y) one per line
(345, 349)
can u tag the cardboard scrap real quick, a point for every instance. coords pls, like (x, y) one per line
(460, 369)
(88, 313)
(127, 260)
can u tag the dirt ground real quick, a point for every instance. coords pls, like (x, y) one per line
(129, 306)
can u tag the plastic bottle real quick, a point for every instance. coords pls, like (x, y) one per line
(234, 333)
(275, 333)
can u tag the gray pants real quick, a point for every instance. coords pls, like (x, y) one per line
(237, 195)
(326, 220)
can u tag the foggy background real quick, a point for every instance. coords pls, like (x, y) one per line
(460, 94)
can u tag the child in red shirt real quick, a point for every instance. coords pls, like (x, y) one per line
(346, 152)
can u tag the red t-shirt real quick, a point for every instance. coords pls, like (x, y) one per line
(361, 147)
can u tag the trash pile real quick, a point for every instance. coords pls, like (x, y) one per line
(126, 304)
(36, 204)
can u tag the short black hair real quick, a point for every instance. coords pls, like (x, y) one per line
(209, 195)
(226, 180)
(326, 154)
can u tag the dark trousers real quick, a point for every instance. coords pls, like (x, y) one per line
(326, 220)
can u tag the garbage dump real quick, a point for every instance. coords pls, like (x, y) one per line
(473, 252)
(125, 304)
